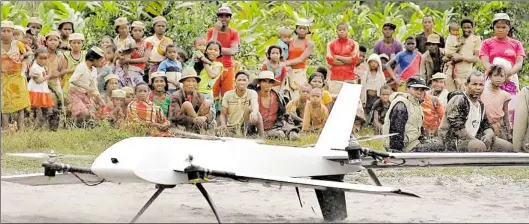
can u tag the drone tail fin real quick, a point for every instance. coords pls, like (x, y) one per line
(339, 125)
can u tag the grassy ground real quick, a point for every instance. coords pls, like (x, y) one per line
(94, 141)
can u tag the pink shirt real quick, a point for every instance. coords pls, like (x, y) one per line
(508, 49)
(493, 103)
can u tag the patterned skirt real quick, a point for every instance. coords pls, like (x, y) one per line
(15, 94)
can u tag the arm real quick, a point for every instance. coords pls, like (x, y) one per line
(306, 118)
(390, 70)
(516, 67)
(456, 115)
(302, 57)
(176, 114)
(398, 117)
(351, 59)
(213, 71)
(521, 120)
(506, 120)
(163, 66)
(223, 117)
(144, 59)
(291, 110)
(330, 57)
(422, 67)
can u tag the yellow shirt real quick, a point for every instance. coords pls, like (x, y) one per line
(326, 97)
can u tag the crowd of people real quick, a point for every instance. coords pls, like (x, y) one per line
(427, 89)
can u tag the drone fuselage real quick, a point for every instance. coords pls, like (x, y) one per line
(148, 159)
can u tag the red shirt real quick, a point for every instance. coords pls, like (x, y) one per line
(226, 39)
(269, 114)
(346, 48)
(140, 52)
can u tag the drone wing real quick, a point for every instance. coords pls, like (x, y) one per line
(38, 179)
(311, 183)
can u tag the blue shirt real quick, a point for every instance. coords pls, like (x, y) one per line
(404, 59)
(283, 46)
(169, 65)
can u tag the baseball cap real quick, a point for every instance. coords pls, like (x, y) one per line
(416, 82)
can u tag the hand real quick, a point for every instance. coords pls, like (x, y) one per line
(488, 139)
(218, 26)
(457, 57)
(254, 116)
(164, 127)
(200, 120)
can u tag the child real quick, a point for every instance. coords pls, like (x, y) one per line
(285, 37)
(496, 102)
(182, 55)
(408, 63)
(122, 69)
(111, 83)
(199, 47)
(296, 107)
(40, 95)
(108, 66)
(274, 55)
(315, 114)
(454, 43)
(73, 58)
(129, 95)
(114, 111)
(172, 68)
(380, 108)
(372, 80)
(106, 41)
(384, 58)
(145, 112)
(211, 71)
(316, 80)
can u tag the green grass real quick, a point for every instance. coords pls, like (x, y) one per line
(94, 141)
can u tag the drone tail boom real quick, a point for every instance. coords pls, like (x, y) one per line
(339, 125)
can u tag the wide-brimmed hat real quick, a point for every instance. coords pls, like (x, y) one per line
(36, 20)
(224, 10)
(121, 21)
(7, 24)
(499, 16)
(138, 24)
(189, 72)
(118, 93)
(266, 75)
(111, 76)
(438, 75)
(158, 19)
(416, 82)
(53, 33)
(303, 22)
(76, 36)
(434, 39)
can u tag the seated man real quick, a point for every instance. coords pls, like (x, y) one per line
(464, 126)
(240, 108)
(316, 113)
(405, 117)
(188, 109)
(296, 107)
(272, 106)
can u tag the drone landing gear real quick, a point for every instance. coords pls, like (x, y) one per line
(373, 176)
(151, 200)
(210, 201)
(332, 202)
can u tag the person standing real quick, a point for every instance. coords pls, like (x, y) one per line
(388, 45)
(421, 39)
(342, 54)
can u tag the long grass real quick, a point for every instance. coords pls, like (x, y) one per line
(96, 140)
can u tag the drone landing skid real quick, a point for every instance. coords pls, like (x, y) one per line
(163, 187)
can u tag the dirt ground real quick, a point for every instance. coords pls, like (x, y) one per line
(473, 198)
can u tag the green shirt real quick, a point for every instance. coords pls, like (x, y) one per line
(206, 82)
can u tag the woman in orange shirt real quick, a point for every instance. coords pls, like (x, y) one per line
(299, 51)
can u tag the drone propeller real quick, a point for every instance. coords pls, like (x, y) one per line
(50, 155)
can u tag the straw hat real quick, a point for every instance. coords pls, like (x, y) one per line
(266, 75)
(8, 24)
(128, 90)
(111, 76)
(158, 19)
(157, 74)
(53, 33)
(76, 36)
(20, 28)
(120, 21)
(98, 51)
(118, 93)
(434, 39)
(499, 16)
(438, 75)
(189, 72)
(65, 21)
(138, 24)
(303, 22)
(36, 20)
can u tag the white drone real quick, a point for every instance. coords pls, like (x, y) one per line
(168, 162)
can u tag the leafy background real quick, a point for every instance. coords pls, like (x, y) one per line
(258, 21)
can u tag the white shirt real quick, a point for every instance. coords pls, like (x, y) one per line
(85, 76)
(473, 118)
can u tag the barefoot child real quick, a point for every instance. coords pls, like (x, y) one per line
(172, 68)
(40, 95)
(274, 55)
(296, 107)
(496, 102)
(316, 113)
(372, 81)
(380, 107)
